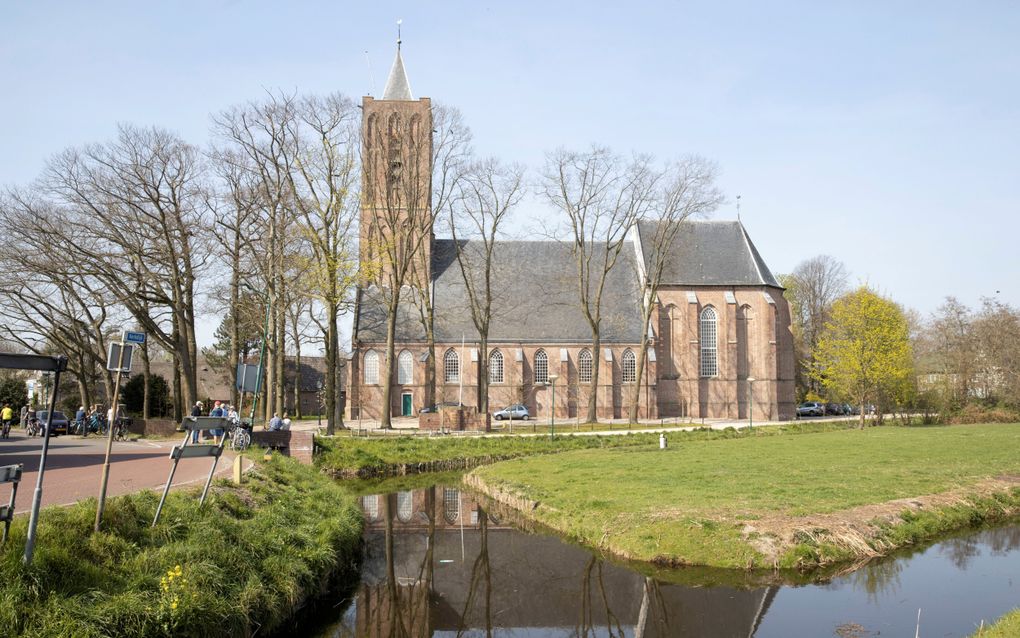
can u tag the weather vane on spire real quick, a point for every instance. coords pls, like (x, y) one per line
(399, 22)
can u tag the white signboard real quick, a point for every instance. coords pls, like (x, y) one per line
(114, 362)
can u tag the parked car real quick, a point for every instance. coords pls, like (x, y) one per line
(58, 425)
(811, 408)
(835, 409)
(516, 411)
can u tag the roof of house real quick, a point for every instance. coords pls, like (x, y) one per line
(709, 253)
(535, 298)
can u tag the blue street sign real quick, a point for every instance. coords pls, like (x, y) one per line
(134, 337)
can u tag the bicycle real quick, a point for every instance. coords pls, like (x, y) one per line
(120, 430)
(5, 432)
(33, 428)
(240, 438)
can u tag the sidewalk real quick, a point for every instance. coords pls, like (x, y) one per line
(74, 468)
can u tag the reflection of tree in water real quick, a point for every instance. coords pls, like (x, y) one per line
(878, 577)
(1002, 540)
(586, 625)
(960, 551)
(480, 577)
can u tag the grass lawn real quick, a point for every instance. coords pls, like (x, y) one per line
(350, 457)
(1006, 627)
(772, 500)
(245, 563)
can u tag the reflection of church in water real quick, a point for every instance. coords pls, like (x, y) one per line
(436, 563)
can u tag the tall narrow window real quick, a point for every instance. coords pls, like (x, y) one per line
(709, 352)
(584, 366)
(629, 365)
(405, 368)
(370, 505)
(496, 367)
(371, 367)
(744, 332)
(451, 504)
(405, 506)
(541, 367)
(451, 366)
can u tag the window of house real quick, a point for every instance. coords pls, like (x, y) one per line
(371, 367)
(405, 368)
(451, 366)
(629, 365)
(370, 505)
(584, 366)
(451, 504)
(541, 367)
(405, 505)
(709, 351)
(496, 367)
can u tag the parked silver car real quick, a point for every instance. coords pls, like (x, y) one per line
(811, 408)
(513, 412)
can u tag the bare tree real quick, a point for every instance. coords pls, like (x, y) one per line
(685, 189)
(602, 195)
(140, 204)
(485, 198)
(812, 288)
(326, 196)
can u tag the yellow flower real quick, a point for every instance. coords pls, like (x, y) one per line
(173, 605)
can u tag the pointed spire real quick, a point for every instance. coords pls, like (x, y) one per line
(397, 86)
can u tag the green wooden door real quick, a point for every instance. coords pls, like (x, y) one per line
(407, 405)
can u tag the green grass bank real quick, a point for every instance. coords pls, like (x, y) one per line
(1006, 627)
(247, 562)
(365, 458)
(769, 501)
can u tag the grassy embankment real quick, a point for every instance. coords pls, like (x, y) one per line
(346, 457)
(775, 501)
(1006, 627)
(243, 564)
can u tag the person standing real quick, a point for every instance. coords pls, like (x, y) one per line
(196, 411)
(218, 412)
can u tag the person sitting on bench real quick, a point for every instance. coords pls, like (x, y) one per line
(275, 423)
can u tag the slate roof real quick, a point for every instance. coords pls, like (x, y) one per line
(536, 302)
(397, 86)
(710, 253)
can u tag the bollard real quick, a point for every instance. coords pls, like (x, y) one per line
(662, 440)
(238, 468)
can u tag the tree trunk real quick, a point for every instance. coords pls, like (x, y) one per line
(178, 399)
(391, 330)
(642, 355)
(483, 375)
(146, 375)
(596, 363)
(297, 377)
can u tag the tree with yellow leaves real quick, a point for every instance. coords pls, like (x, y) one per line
(864, 350)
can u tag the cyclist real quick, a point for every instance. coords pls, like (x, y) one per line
(6, 417)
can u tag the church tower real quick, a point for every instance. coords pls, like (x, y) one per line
(396, 205)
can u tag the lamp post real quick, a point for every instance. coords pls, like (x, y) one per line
(750, 403)
(552, 382)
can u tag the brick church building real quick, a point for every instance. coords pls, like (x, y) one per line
(721, 327)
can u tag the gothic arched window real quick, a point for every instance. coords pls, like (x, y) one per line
(584, 366)
(371, 367)
(451, 366)
(541, 367)
(405, 368)
(495, 367)
(629, 366)
(451, 504)
(708, 341)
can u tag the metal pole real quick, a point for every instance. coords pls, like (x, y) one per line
(33, 520)
(166, 488)
(552, 429)
(109, 439)
(216, 460)
(262, 363)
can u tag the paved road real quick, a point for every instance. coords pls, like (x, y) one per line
(74, 467)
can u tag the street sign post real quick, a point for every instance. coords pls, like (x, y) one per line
(118, 359)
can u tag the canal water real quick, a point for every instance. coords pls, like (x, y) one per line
(437, 563)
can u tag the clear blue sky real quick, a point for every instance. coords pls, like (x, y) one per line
(884, 133)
